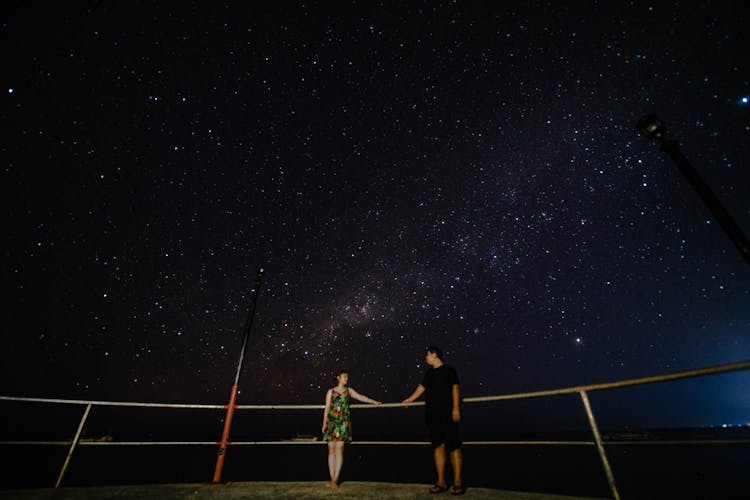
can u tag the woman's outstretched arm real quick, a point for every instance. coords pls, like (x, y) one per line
(362, 397)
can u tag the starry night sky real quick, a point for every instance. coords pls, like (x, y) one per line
(407, 173)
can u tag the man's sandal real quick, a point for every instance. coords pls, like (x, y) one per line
(458, 490)
(438, 489)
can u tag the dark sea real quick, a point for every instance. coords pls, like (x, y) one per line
(709, 471)
(654, 470)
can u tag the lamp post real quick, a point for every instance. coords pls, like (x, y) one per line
(653, 128)
(233, 394)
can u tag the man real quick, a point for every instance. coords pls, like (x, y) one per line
(442, 414)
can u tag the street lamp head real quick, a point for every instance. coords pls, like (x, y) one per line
(652, 127)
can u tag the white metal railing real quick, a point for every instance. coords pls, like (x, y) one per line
(581, 390)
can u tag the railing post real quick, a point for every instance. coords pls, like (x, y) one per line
(599, 445)
(73, 445)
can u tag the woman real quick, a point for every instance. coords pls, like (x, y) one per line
(337, 426)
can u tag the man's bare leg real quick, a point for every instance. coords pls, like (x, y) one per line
(457, 460)
(440, 460)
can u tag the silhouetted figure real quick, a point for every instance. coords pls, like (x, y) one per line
(442, 414)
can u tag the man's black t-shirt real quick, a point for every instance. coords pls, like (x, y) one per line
(438, 384)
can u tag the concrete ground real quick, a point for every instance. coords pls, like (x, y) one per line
(288, 490)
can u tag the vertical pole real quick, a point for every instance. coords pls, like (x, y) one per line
(73, 445)
(600, 446)
(235, 388)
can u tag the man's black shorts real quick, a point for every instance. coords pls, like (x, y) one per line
(443, 430)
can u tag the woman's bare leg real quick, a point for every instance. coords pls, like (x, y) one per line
(339, 462)
(331, 462)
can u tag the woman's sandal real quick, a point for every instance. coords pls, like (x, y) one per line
(458, 490)
(438, 489)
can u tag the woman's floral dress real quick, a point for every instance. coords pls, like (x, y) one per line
(339, 426)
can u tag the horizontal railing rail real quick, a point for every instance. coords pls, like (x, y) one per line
(288, 442)
(698, 372)
(583, 390)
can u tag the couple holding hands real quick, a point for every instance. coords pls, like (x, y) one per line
(442, 414)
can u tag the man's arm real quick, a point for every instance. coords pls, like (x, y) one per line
(417, 392)
(456, 413)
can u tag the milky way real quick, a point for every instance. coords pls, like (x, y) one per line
(430, 173)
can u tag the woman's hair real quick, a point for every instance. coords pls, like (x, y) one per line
(341, 373)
